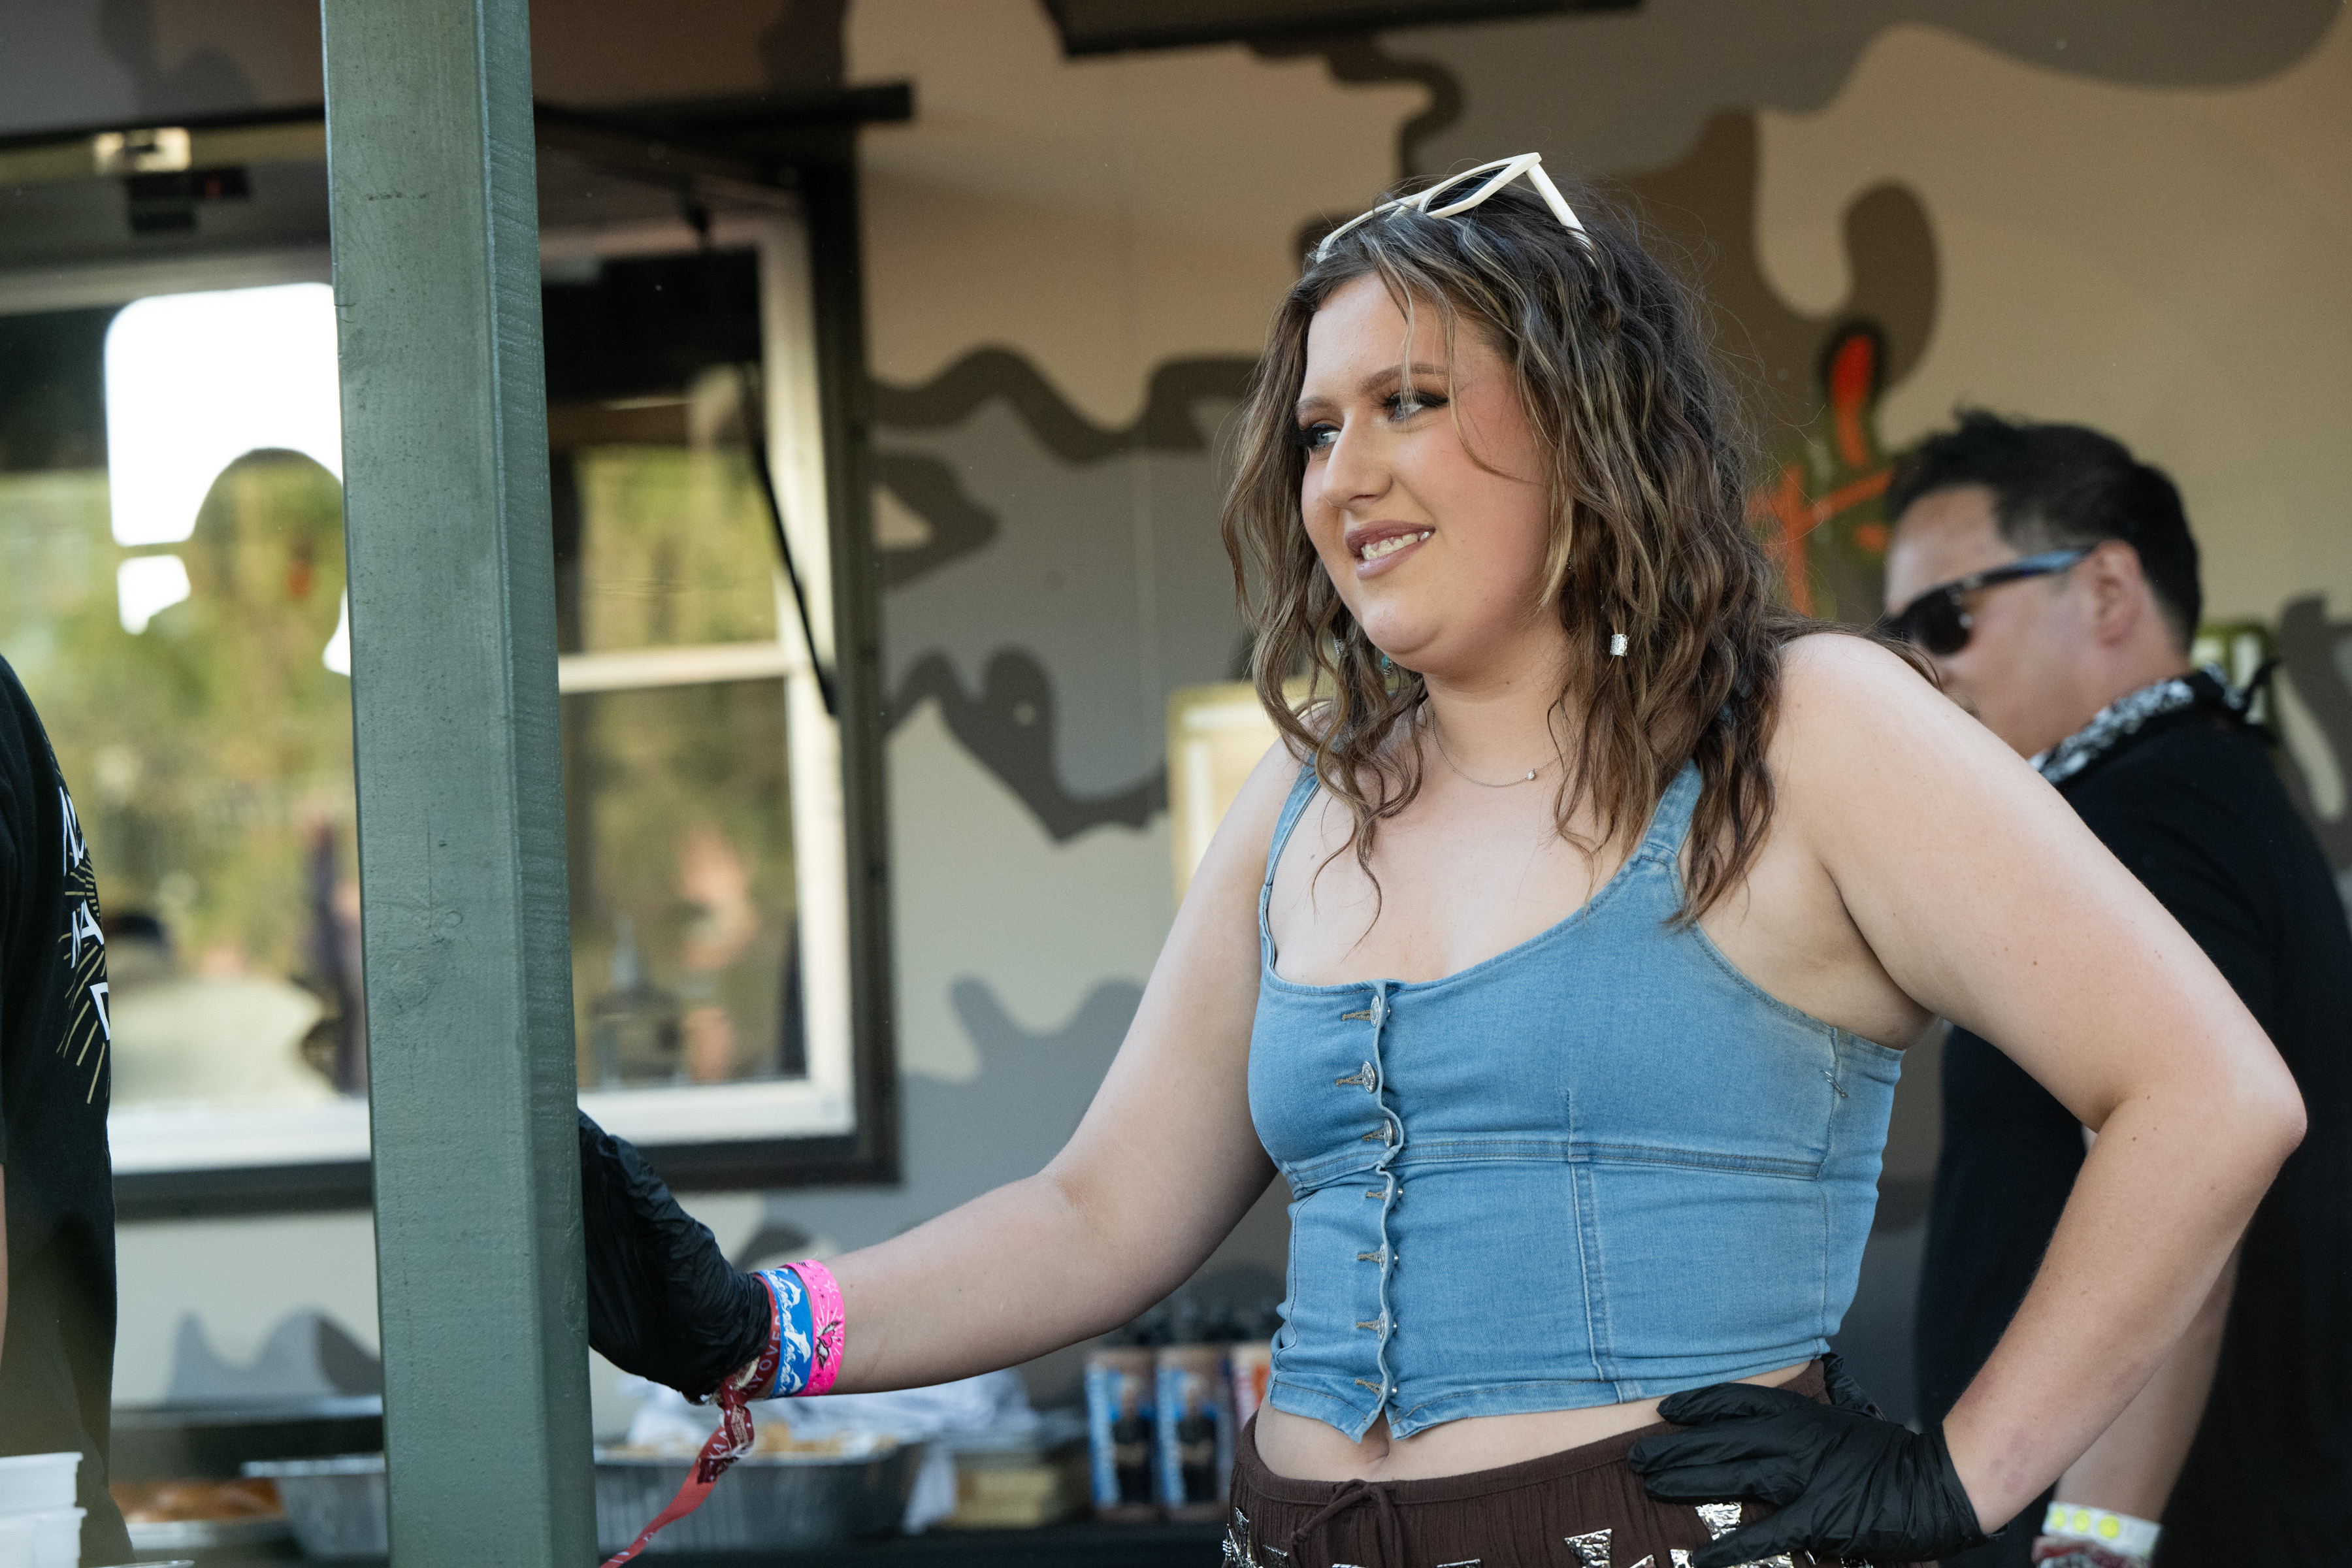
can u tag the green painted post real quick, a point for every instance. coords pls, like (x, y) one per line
(480, 1286)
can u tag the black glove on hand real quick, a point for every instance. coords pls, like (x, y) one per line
(1847, 1483)
(663, 1300)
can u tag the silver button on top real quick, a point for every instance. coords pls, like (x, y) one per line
(1390, 1135)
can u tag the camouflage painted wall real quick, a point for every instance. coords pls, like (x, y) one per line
(1894, 208)
(2132, 215)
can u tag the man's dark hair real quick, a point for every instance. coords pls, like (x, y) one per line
(2056, 485)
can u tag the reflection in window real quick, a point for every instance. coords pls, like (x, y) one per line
(211, 750)
(685, 941)
(171, 592)
(194, 382)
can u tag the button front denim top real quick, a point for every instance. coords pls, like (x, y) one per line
(1600, 1166)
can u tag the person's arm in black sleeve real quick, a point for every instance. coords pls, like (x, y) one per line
(3, 1261)
(2195, 855)
(663, 1300)
(2192, 850)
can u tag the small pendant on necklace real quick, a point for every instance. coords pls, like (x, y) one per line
(1530, 778)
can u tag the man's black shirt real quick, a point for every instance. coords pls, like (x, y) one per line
(2192, 805)
(56, 1360)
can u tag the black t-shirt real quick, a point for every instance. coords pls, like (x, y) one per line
(57, 1361)
(2193, 806)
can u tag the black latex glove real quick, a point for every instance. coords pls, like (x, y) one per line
(1847, 1483)
(663, 1300)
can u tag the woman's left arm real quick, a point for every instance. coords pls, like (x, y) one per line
(1986, 900)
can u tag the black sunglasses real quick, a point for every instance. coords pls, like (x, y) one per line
(1938, 620)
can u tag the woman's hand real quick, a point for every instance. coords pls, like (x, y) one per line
(1847, 1482)
(663, 1300)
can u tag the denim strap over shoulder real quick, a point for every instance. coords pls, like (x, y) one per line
(1301, 792)
(1670, 823)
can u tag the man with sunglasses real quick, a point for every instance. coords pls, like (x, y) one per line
(2052, 579)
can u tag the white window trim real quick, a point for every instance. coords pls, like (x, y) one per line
(165, 1138)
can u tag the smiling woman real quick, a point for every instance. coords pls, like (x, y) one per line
(1558, 957)
(1581, 404)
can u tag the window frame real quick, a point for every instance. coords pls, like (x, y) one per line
(816, 435)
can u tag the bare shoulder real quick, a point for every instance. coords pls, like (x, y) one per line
(1847, 703)
(1836, 679)
(1269, 786)
(1865, 743)
(1236, 855)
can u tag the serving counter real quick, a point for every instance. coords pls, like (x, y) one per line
(1077, 1545)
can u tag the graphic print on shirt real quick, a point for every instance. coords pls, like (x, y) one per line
(89, 1032)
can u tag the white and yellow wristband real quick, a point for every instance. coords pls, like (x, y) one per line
(2119, 1532)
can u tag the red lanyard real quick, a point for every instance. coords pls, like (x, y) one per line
(729, 1443)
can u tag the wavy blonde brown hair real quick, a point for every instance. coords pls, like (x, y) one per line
(1648, 535)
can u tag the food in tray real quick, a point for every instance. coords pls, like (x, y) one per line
(773, 1438)
(670, 1449)
(776, 1436)
(164, 1502)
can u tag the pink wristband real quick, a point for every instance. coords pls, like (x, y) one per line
(827, 1319)
(806, 1331)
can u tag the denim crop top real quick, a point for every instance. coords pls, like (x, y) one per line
(1600, 1166)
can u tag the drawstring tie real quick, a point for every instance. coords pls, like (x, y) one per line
(1348, 1495)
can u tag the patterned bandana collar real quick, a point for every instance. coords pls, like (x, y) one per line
(2125, 716)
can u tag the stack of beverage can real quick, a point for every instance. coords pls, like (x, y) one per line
(1163, 1418)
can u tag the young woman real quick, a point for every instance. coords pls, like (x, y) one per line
(1560, 958)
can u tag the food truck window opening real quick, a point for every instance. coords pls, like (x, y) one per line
(174, 599)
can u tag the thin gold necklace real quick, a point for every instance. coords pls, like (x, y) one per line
(1527, 777)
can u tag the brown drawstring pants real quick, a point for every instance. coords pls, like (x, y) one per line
(1582, 1508)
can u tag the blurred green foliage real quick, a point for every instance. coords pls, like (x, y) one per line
(679, 796)
(205, 752)
(208, 753)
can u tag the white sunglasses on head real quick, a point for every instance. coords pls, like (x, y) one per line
(1503, 170)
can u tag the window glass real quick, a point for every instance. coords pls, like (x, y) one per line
(676, 544)
(685, 941)
(210, 748)
(172, 593)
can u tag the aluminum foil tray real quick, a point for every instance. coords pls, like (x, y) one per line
(765, 1502)
(204, 1535)
(336, 1506)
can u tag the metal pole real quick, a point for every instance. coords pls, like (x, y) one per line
(480, 1283)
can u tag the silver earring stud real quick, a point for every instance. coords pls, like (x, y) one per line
(1617, 645)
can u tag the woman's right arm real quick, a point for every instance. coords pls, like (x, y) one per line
(1989, 901)
(1163, 1165)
